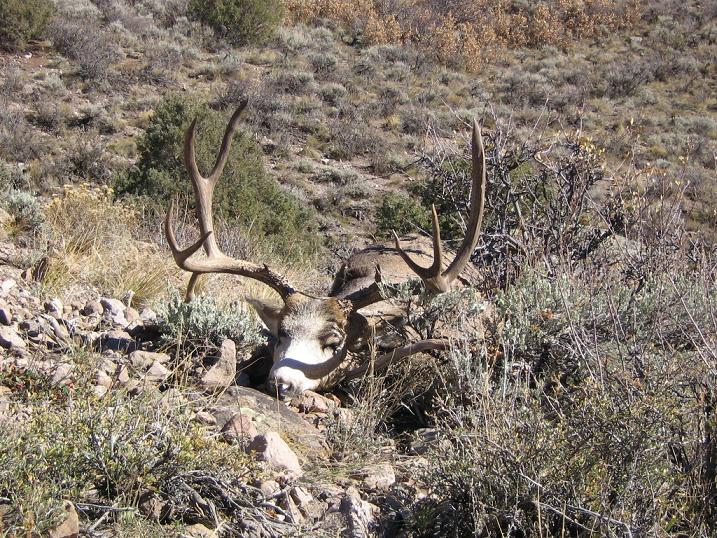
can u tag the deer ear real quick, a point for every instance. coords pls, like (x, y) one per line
(269, 313)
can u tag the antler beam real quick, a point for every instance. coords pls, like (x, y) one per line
(216, 261)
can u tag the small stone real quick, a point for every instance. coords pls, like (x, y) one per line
(156, 373)
(205, 417)
(199, 531)
(311, 402)
(222, 374)
(271, 448)
(7, 284)
(269, 487)
(289, 506)
(108, 365)
(359, 513)
(9, 339)
(151, 506)
(123, 375)
(112, 307)
(70, 527)
(117, 341)
(102, 379)
(380, 476)
(114, 311)
(54, 307)
(62, 373)
(5, 315)
(144, 359)
(100, 390)
(147, 314)
(301, 496)
(92, 308)
(239, 428)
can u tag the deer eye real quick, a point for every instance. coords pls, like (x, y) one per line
(333, 345)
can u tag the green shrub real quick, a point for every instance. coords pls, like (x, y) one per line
(244, 193)
(242, 22)
(22, 20)
(402, 214)
(26, 209)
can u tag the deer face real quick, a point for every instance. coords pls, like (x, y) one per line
(315, 334)
(312, 338)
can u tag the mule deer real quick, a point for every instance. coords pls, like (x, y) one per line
(319, 339)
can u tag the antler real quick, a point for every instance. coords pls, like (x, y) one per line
(437, 280)
(216, 261)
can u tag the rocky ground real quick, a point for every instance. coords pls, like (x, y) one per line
(297, 484)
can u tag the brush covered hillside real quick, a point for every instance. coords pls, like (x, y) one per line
(579, 395)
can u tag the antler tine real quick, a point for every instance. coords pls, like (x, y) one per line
(477, 205)
(435, 280)
(430, 275)
(216, 261)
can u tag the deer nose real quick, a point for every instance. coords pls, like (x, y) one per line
(280, 388)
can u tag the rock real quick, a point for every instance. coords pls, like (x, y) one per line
(9, 339)
(222, 374)
(147, 314)
(107, 365)
(239, 428)
(204, 417)
(123, 375)
(424, 439)
(144, 359)
(100, 390)
(103, 379)
(62, 373)
(54, 307)
(199, 531)
(311, 402)
(131, 315)
(152, 507)
(271, 448)
(358, 513)
(5, 400)
(70, 527)
(7, 284)
(380, 476)
(288, 505)
(92, 308)
(114, 311)
(117, 341)
(5, 315)
(112, 307)
(156, 373)
(269, 415)
(269, 487)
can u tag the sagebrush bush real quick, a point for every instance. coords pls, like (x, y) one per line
(22, 20)
(26, 210)
(202, 323)
(103, 451)
(244, 192)
(241, 22)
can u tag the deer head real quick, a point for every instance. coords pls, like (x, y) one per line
(318, 338)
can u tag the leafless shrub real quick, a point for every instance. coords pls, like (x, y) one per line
(18, 141)
(92, 50)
